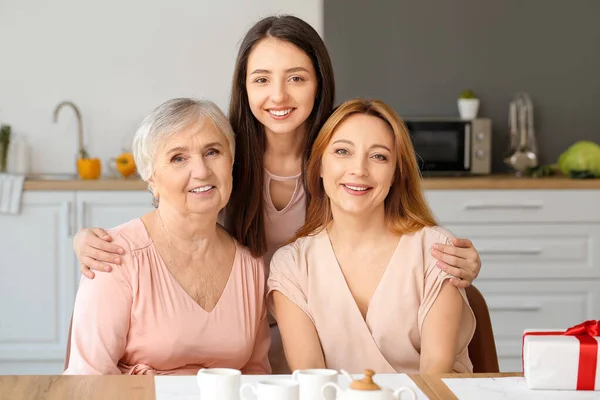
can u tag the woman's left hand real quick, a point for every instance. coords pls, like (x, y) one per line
(461, 261)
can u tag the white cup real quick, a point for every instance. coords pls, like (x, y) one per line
(312, 380)
(219, 383)
(276, 389)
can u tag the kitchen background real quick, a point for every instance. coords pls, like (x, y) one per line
(117, 60)
(419, 56)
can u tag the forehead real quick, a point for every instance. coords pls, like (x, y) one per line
(362, 128)
(198, 133)
(272, 54)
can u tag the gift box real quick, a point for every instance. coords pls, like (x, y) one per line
(563, 360)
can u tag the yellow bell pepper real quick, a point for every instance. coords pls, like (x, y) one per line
(126, 164)
(89, 168)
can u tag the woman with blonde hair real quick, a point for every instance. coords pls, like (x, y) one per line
(359, 287)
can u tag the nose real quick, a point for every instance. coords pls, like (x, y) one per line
(279, 92)
(200, 168)
(360, 166)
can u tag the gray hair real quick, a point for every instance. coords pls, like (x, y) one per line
(169, 118)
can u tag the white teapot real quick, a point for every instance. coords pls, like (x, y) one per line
(366, 389)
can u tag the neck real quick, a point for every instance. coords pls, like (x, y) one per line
(283, 151)
(190, 233)
(353, 231)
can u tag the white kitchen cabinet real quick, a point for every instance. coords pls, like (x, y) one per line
(39, 274)
(540, 252)
(36, 286)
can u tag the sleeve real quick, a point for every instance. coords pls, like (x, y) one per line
(258, 363)
(287, 276)
(101, 320)
(433, 280)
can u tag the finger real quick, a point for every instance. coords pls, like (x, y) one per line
(455, 271)
(95, 265)
(449, 259)
(85, 271)
(460, 283)
(444, 248)
(101, 233)
(464, 243)
(102, 244)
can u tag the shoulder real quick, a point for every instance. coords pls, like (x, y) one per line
(299, 249)
(431, 235)
(131, 235)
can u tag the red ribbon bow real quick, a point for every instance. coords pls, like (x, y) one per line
(588, 350)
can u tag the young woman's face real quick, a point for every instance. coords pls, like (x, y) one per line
(358, 165)
(282, 85)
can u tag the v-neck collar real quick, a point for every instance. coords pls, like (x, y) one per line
(179, 287)
(338, 270)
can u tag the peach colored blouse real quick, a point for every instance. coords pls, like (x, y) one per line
(281, 225)
(389, 340)
(139, 320)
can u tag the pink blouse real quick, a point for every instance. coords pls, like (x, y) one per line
(139, 320)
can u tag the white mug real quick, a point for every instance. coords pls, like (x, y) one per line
(276, 389)
(312, 380)
(219, 383)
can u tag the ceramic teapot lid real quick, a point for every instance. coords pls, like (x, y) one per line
(366, 383)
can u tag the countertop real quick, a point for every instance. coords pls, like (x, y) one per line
(492, 182)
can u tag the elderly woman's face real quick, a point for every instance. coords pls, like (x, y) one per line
(193, 169)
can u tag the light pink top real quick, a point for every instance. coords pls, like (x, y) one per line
(281, 225)
(139, 320)
(389, 341)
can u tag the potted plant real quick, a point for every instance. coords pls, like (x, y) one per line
(468, 105)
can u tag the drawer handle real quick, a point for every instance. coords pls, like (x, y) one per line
(508, 206)
(523, 252)
(523, 307)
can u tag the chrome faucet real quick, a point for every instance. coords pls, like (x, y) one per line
(80, 149)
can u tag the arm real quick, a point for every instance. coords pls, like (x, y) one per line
(100, 327)
(93, 249)
(300, 338)
(461, 261)
(439, 333)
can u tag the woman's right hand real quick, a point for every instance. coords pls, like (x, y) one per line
(93, 248)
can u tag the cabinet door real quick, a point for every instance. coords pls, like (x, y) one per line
(36, 292)
(108, 209)
(519, 305)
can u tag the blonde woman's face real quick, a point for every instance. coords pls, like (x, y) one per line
(358, 165)
(193, 170)
(282, 84)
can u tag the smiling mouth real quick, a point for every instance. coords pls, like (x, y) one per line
(357, 188)
(280, 113)
(201, 189)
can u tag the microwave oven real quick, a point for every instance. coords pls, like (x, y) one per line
(452, 146)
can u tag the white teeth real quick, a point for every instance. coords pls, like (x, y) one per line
(281, 113)
(356, 188)
(201, 189)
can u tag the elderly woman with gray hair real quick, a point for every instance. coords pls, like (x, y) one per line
(186, 295)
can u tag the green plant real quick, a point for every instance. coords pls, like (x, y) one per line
(4, 142)
(467, 94)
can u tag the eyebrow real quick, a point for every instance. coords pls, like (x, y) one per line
(289, 70)
(375, 146)
(184, 149)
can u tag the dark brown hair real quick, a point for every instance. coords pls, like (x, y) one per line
(406, 209)
(245, 210)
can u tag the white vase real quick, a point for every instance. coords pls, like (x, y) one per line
(468, 108)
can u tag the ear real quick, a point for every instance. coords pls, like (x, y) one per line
(152, 187)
